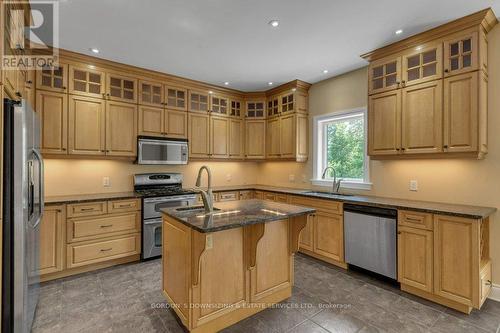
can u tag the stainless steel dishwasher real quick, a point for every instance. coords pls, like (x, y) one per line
(370, 238)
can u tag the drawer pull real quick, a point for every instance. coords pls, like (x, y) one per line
(125, 206)
(106, 226)
(414, 219)
(86, 209)
(106, 250)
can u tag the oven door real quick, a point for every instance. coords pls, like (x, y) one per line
(153, 151)
(152, 206)
(151, 239)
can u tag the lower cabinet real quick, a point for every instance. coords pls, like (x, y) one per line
(52, 239)
(306, 236)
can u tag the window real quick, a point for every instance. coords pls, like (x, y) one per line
(340, 143)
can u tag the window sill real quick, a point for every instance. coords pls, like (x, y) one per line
(366, 186)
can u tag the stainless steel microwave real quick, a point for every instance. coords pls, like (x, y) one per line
(152, 150)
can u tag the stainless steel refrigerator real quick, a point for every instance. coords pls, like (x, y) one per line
(22, 213)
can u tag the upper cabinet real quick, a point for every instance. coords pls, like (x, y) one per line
(198, 101)
(219, 105)
(121, 88)
(273, 106)
(53, 79)
(151, 93)
(176, 98)
(236, 108)
(255, 109)
(428, 93)
(86, 81)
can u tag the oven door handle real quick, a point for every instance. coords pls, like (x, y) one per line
(153, 221)
(156, 200)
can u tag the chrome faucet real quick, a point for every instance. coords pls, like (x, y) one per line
(206, 196)
(336, 184)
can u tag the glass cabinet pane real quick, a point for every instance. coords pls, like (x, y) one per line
(390, 68)
(454, 49)
(429, 70)
(466, 46)
(378, 71)
(428, 57)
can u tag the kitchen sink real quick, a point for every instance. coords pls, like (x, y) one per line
(193, 208)
(328, 194)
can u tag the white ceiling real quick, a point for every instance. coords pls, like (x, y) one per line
(230, 40)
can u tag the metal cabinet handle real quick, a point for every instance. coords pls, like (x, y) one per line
(413, 219)
(446, 70)
(87, 209)
(125, 206)
(106, 225)
(105, 250)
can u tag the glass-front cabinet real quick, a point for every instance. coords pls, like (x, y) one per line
(176, 98)
(219, 104)
(86, 81)
(53, 79)
(255, 109)
(461, 54)
(384, 74)
(150, 93)
(198, 101)
(288, 103)
(422, 64)
(273, 106)
(236, 108)
(121, 88)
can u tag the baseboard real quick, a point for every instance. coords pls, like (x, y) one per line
(495, 292)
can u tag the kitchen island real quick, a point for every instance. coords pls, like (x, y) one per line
(222, 267)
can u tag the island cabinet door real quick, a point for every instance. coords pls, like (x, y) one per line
(456, 263)
(329, 235)
(306, 235)
(271, 273)
(415, 253)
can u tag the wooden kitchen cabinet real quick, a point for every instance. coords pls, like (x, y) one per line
(236, 108)
(198, 101)
(176, 124)
(219, 135)
(176, 98)
(53, 110)
(255, 141)
(121, 129)
(121, 88)
(151, 121)
(273, 138)
(421, 118)
(255, 109)
(151, 93)
(52, 239)
(422, 64)
(86, 126)
(384, 123)
(199, 135)
(461, 53)
(307, 235)
(236, 138)
(219, 105)
(329, 235)
(53, 79)
(273, 106)
(86, 81)
(287, 137)
(415, 258)
(384, 74)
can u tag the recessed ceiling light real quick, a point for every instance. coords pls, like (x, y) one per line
(325, 71)
(94, 50)
(210, 92)
(398, 32)
(270, 83)
(294, 89)
(226, 83)
(274, 23)
(418, 48)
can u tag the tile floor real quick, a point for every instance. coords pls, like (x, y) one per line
(119, 300)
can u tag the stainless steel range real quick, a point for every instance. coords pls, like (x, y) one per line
(158, 190)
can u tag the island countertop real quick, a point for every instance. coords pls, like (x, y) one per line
(235, 214)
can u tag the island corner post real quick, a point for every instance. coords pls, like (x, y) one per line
(214, 280)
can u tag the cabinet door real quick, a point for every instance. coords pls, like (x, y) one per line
(219, 105)
(236, 109)
(384, 123)
(86, 82)
(421, 118)
(415, 258)
(307, 234)
(461, 54)
(53, 79)
(121, 129)
(461, 113)
(151, 93)
(198, 101)
(255, 139)
(423, 64)
(121, 88)
(236, 138)
(86, 126)
(287, 103)
(151, 121)
(219, 135)
(273, 106)
(53, 110)
(384, 74)
(329, 236)
(273, 149)
(52, 243)
(288, 136)
(176, 124)
(255, 109)
(176, 98)
(456, 263)
(199, 135)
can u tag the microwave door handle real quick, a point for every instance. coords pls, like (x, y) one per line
(41, 186)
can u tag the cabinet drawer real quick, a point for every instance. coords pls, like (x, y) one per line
(329, 206)
(81, 229)
(87, 253)
(245, 195)
(269, 196)
(281, 198)
(415, 219)
(87, 209)
(485, 282)
(228, 196)
(128, 205)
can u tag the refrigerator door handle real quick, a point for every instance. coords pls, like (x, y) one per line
(41, 179)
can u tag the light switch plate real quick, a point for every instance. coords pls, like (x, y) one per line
(106, 182)
(229, 177)
(413, 185)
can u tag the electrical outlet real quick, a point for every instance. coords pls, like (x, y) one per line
(304, 179)
(413, 185)
(291, 178)
(209, 242)
(229, 177)
(106, 182)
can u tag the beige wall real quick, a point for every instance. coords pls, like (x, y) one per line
(66, 177)
(462, 181)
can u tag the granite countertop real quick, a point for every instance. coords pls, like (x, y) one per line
(67, 199)
(236, 214)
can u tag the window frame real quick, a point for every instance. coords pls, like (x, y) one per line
(319, 154)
